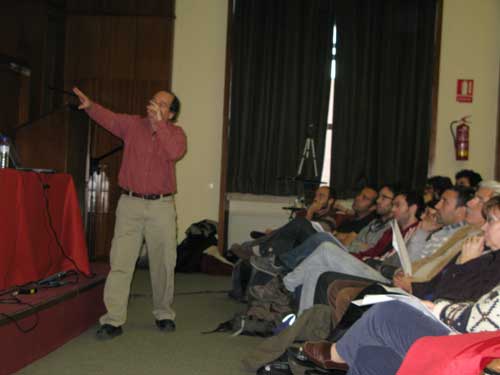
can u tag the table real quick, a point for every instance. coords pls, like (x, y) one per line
(29, 250)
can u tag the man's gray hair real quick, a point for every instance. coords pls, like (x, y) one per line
(492, 185)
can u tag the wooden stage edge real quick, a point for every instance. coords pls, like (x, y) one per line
(57, 315)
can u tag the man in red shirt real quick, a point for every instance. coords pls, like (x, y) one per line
(146, 209)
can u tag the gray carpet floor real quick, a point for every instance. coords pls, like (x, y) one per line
(142, 349)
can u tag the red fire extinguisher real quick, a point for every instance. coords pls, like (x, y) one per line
(460, 133)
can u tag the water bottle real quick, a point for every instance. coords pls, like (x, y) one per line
(4, 152)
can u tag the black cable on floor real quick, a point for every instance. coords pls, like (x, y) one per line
(16, 301)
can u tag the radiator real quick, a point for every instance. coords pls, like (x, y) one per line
(249, 212)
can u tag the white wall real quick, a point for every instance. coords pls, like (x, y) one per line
(470, 49)
(198, 80)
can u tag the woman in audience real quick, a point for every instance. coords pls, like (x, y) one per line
(378, 342)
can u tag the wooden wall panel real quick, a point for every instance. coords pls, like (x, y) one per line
(84, 52)
(32, 31)
(155, 51)
(24, 26)
(9, 97)
(38, 154)
(120, 47)
(59, 142)
(159, 8)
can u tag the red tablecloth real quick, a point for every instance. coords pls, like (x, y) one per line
(28, 247)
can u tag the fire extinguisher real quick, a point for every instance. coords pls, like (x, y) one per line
(460, 133)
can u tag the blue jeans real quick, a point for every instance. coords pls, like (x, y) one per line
(378, 342)
(293, 257)
(285, 237)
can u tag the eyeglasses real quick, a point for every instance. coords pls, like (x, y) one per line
(386, 197)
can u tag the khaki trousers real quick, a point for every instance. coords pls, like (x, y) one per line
(137, 220)
(341, 293)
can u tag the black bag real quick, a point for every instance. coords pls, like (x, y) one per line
(199, 237)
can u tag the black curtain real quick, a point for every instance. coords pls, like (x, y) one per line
(383, 89)
(281, 61)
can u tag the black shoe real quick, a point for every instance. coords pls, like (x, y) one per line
(166, 325)
(279, 366)
(256, 234)
(108, 332)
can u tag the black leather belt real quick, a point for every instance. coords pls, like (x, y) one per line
(150, 197)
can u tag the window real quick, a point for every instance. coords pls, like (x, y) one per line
(325, 176)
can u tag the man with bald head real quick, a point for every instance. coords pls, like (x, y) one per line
(146, 210)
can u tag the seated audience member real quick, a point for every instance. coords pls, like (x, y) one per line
(426, 269)
(468, 178)
(407, 207)
(468, 275)
(368, 237)
(451, 213)
(378, 342)
(363, 208)
(435, 187)
(294, 232)
(371, 233)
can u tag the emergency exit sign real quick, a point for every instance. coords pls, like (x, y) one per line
(465, 90)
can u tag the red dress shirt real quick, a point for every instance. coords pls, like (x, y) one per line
(148, 164)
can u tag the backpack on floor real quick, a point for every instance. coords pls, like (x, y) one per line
(199, 237)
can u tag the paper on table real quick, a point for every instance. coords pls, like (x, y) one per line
(371, 299)
(394, 290)
(399, 245)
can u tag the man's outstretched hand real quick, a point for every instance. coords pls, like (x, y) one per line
(85, 102)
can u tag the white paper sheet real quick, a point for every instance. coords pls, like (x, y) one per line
(399, 245)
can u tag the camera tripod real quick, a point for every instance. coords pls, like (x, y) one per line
(309, 151)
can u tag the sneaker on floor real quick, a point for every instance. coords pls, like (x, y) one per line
(267, 265)
(256, 234)
(108, 332)
(241, 252)
(165, 325)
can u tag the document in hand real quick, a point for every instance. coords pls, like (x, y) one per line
(399, 245)
(317, 226)
(371, 299)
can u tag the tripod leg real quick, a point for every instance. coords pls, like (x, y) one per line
(315, 164)
(305, 155)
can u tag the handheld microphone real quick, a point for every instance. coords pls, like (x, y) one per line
(55, 284)
(52, 278)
